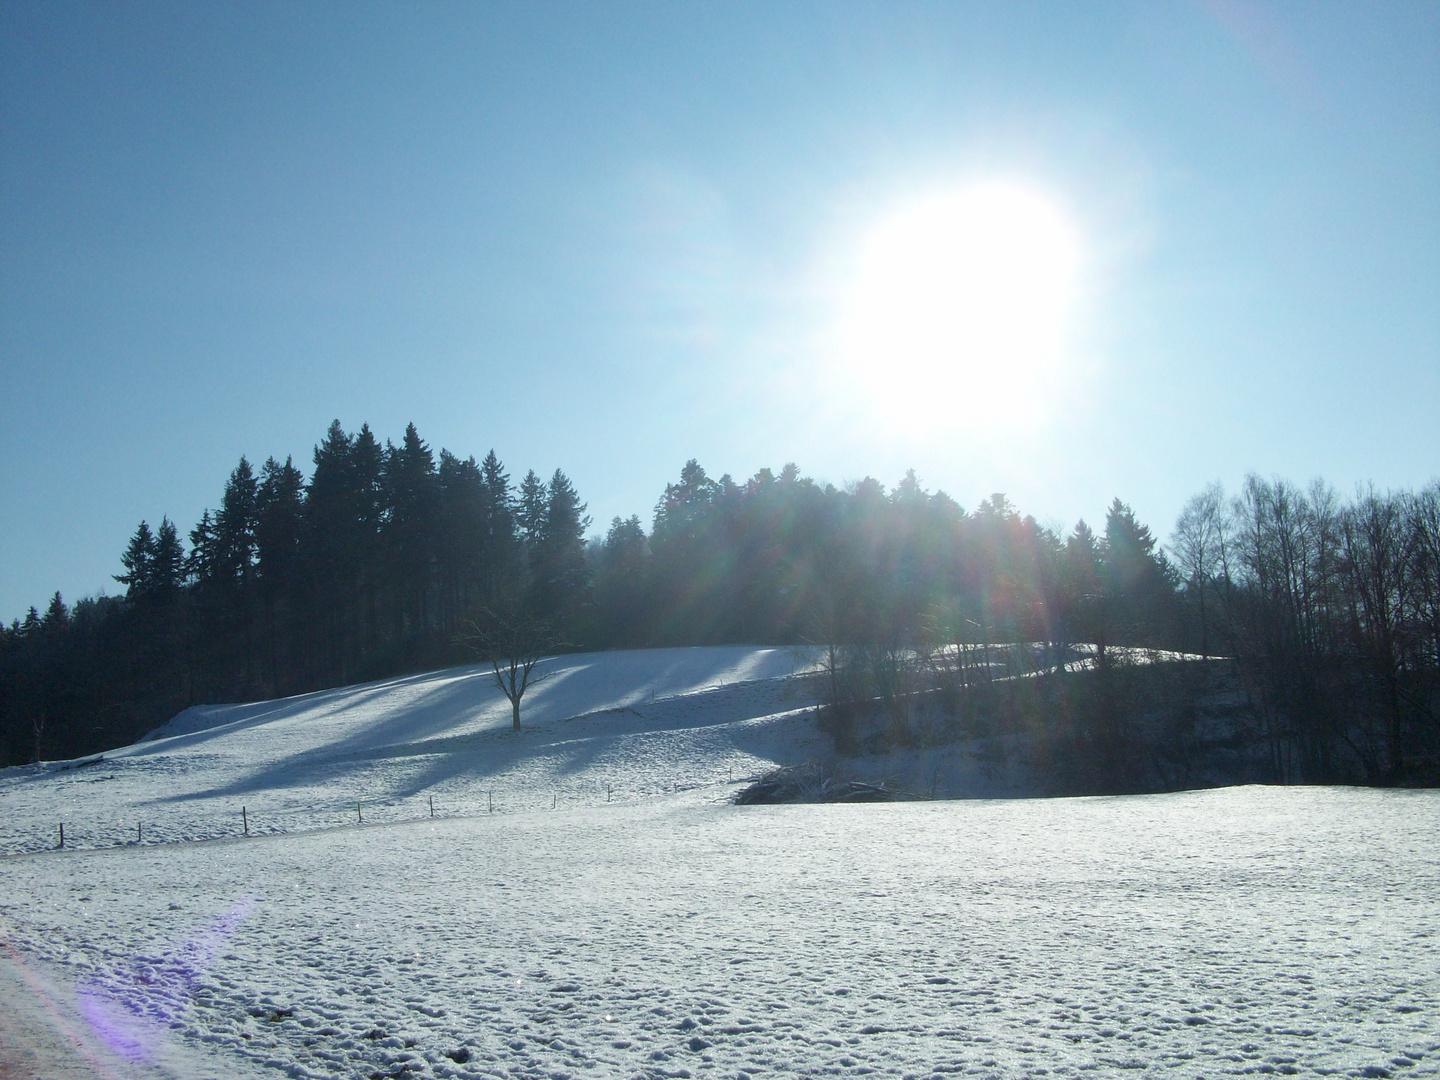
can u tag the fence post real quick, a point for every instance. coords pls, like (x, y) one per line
(490, 799)
(245, 821)
(139, 833)
(62, 834)
(359, 815)
(432, 805)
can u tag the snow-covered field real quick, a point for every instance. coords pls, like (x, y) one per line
(667, 933)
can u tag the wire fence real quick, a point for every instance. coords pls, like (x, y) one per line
(262, 816)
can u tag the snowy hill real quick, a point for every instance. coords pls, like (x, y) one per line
(616, 916)
(613, 725)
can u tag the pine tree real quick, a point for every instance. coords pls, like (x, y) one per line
(367, 473)
(620, 575)
(57, 616)
(167, 568)
(530, 511)
(412, 516)
(222, 562)
(1081, 590)
(279, 529)
(329, 481)
(460, 539)
(329, 578)
(235, 524)
(279, 522)
(342, 564)
(684, 505)
(367, 481)
(499, 508)
(501, 555)
(200, 565)
(559, 570)
(329, 517)
(1137, 580)
(138, 560)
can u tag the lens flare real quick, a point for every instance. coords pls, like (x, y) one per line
(131, 1007)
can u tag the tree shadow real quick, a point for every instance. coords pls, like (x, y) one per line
(461, 724)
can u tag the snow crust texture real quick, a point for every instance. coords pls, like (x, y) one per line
(616, 916)
(1228, 932)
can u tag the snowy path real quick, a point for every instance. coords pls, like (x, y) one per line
(1215, 933)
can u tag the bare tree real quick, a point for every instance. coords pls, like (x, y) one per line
(1376, 557)
(833, 620)
(1198, 546)
(512, 641)
(895, 669)
(1424, 547)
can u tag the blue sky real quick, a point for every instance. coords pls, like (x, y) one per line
(610, 238)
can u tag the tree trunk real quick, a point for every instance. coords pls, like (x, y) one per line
(515, 714)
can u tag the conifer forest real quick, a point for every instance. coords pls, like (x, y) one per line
(1322, 612)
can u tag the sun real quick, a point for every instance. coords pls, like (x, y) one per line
(960, 305)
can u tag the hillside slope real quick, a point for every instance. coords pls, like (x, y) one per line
(615, 917)
(601, 726)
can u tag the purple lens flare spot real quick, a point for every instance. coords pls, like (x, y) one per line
(131, 1007)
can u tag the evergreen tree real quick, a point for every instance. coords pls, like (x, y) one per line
(621, 564)
(57, 616)
(501, 556)
(234, 531)
(167, 566)
(138, 560)
(279, 526)
(201, 562)
(1080, 603)
(1137, 580)
(329, 560)
(460, 539)
(223, 564)
(530, 511)
(367, 472)
(686, 551)
(683, 506)
(559, 572)
(279, 534)
(330, 479)
(344, 516)
(411, 521)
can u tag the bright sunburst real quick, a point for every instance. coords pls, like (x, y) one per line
(959, 306)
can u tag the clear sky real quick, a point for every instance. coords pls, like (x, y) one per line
(1065, 251)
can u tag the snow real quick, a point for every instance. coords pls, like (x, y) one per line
(669, 933)
(600, 726)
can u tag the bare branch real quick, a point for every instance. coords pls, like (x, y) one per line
(513, 642)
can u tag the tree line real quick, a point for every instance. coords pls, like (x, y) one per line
(387, 559)
(1330, 613)
(367, 568)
